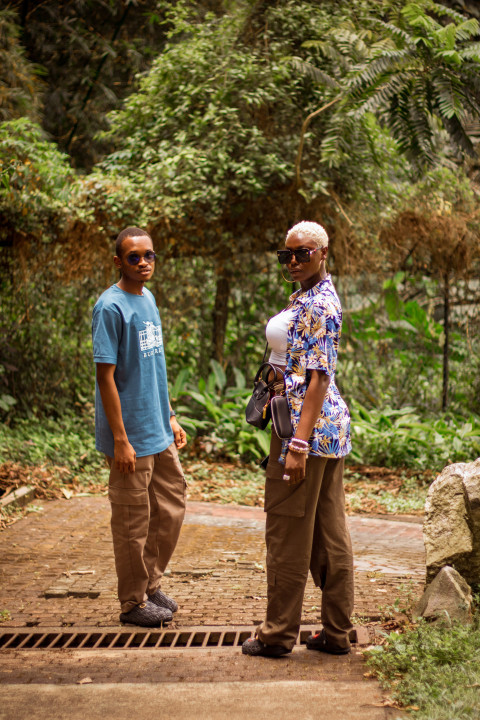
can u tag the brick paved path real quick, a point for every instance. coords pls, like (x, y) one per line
(57, 570)
(57, 567)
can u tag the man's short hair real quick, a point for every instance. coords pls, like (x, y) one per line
(312, 230)
(128, 232)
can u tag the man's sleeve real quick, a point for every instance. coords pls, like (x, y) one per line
(106, 334)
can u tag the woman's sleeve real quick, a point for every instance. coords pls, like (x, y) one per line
(321, 333)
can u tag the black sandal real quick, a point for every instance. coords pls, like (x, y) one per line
(254, 646)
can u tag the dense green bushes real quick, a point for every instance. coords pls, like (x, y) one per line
(389, 370)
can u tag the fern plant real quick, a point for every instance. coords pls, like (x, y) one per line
(417, 71)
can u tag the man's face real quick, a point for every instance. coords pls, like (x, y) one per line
(133, 248)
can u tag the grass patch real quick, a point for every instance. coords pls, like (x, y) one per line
(432, 670)
(65, 446)
(381, 490)
(224, 482)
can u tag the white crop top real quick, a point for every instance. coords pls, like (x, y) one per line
(276, 332)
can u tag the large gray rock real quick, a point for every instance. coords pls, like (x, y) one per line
(448, 598)
(451, 530)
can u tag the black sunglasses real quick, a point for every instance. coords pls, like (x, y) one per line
(134, 258)
(302, 255)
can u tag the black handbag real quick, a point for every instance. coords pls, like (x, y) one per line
(268, 400)
(258, 410)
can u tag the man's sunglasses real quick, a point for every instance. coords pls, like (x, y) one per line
(134, 258)
(302, 255)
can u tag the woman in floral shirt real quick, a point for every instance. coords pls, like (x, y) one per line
(306, 526)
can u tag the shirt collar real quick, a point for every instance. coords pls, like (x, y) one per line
(302, 295)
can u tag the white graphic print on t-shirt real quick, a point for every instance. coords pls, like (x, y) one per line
(151, 337)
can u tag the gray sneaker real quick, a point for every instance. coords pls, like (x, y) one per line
(146, 614)
(159, 598)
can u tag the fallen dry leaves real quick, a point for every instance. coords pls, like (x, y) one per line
(49, 483)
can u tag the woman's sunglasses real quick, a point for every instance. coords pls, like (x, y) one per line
(134, 258)
(302, 255)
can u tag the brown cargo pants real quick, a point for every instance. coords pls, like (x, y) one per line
(148, 507)
(306, 529)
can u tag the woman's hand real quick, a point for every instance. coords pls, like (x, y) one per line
(295, 464)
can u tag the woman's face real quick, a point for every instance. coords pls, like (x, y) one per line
(308, 273)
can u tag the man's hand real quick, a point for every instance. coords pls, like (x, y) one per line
(125, 456)
(179, 433)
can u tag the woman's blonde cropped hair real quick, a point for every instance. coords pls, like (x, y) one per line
(312, 231)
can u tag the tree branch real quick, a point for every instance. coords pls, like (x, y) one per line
(95, 77)
(305, 125)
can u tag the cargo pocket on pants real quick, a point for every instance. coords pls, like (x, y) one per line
(127, 496)
(284, 499)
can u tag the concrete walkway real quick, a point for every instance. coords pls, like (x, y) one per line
(57, 572)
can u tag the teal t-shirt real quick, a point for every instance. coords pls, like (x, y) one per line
(127, 332)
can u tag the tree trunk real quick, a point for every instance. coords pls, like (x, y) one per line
(446, 342)
(220, 314)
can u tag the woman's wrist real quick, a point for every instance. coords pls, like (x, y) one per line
(297, 445)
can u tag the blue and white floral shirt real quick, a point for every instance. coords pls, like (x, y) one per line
(312, 344)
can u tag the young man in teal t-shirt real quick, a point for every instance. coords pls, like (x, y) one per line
(136, 428)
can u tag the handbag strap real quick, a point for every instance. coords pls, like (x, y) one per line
(278, 374)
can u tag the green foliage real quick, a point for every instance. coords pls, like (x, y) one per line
(411, 64)
(6, 401)
(186, 309)
(407, 497)
(390, 371)
(215, 411)
(90, 52)
(205, 157)
(430, 70)
(403, 437)
(206, 128)
(433, 669)
(224, 483)
(45, 346)
(67, 442)
(392, 347)
(35, 179)
(19, 81)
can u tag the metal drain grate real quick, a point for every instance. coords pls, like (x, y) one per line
(158, 638)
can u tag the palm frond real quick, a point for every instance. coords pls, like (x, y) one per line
(467, 29)
(444, 11)
(309, 70)
(411, 126)
(459, 135)
(383, 46)
(329, 51)
(447, 100)
(379, 68)
(395, 32)
(381, 96)
(472, 52)
(342, 133)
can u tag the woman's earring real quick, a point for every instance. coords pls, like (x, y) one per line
(283, 276)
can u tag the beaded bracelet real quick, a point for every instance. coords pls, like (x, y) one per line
(297, 450)
(303, 450)
(299, 441)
